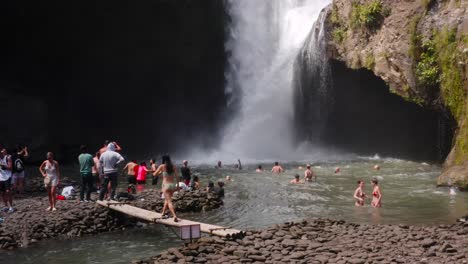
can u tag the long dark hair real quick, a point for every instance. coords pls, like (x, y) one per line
(166, 159)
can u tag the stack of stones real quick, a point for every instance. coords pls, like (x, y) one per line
(329, 241)
(31, 222)
(194, 201)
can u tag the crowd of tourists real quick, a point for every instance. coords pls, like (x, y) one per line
(101, 172)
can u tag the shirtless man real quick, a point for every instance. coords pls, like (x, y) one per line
(104, 147)
(131, 175)
(309, 174)
(296, 180)
(277, 168)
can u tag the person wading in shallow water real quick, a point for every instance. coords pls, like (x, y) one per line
(309, 174)
(132, 171)
(376, 194)
(109, 161)
(51, 171)
(277, 168)
(296, 180)
(359, 194)
(170, 184)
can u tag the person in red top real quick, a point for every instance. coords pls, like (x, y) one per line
(141, 175)
(376, 194)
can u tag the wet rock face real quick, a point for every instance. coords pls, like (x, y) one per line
(392, 49)
(66, 66)
(329, 241)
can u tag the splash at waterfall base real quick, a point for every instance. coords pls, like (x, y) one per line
(329, 241)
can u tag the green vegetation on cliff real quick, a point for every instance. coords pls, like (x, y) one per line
(368, 15)
(451, 77)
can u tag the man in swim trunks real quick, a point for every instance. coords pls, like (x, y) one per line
(277, 168)
(131, 169)
(309, 174)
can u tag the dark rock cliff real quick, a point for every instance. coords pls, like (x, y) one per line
(419, 49)
(149, 74)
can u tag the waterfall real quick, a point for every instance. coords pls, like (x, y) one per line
(312, 85)
(265, 38)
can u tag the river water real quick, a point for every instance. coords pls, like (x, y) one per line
(255, 200)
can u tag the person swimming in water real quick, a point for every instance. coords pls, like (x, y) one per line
(337, 170)
(169, 184)
(309, 174)
(376, 167)
(259, 169)
(296, 180)
(376, 194)
(277, 168)
(359, 194)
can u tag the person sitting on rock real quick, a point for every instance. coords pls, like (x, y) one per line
(296, 180)
(210, 187)
(195, 183)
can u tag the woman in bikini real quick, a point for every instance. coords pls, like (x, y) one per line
(359, 194)
(51, 172)
(376, 194)
(170, 184)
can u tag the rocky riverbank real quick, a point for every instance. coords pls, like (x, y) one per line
(329, 241)
(31, 222)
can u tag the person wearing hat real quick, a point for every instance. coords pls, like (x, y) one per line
(186, 174)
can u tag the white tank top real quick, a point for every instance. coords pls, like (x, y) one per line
(4, 174)
(50, 169)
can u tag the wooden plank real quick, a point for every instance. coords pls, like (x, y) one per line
(155, 217)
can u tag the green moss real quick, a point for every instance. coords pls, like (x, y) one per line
(461, 143)
(339, 35)
(415, 38)
(451, 78)
(370, 61)
(369, 15)
(427, 67)
(339, 26)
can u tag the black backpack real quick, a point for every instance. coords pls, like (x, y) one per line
(18, 164)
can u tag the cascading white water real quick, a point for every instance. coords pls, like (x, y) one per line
(265, 38)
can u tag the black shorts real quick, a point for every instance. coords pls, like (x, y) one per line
(5, 185)
(131, 180)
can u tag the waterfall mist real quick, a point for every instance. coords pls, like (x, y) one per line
(264, 39)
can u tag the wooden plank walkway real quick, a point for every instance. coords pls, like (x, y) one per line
(154, 217)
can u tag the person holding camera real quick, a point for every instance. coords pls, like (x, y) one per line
(17, 177)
